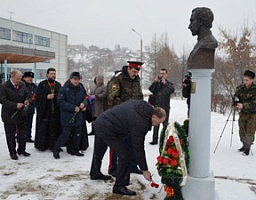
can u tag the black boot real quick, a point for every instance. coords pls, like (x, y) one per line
(14, 156)
(101, 177)
(56, 154)
(76, 153)
(123, 190)
(247, 150)
(242, 148)
(24, 153)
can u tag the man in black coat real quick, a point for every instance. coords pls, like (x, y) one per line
(162, 90)
(14, 99)
(31, 87)
(72, 102)
(131, 119)
(186, 89)
(48, 126)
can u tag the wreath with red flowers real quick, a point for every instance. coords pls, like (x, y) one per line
(173, 161)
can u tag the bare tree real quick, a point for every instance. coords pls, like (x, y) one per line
(160, 55)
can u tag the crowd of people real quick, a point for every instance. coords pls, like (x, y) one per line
(119, 115)
(61, 111)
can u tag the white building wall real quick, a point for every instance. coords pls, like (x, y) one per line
(58, 44)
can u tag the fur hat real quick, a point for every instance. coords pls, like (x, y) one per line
(28, 74)
(249, 74)
(75, 75)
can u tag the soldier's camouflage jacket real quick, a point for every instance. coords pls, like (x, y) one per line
(247, 96)
(122, 88)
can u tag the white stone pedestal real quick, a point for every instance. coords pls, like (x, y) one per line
(199, 188)
(201, 184)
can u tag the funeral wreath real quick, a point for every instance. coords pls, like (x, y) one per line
(173, 161)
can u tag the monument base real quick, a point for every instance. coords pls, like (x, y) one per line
(199, 188)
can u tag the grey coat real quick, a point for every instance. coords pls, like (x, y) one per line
(100, 92)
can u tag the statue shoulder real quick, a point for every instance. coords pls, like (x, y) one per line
(208, 42)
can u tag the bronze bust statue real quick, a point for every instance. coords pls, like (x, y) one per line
(202, 56)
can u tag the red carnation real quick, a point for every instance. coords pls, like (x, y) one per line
(174, 162)
(159, 159)
(153, 184)
(175, 153)
(156, 185)
(169, 151)
(165, 161)
(170, 140)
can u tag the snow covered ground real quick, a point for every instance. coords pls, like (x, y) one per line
(41, 177)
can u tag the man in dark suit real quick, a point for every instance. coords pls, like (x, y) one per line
(112, 127)
(14, 99)
(162, 90)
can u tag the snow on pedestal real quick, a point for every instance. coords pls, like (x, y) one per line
(201, 183)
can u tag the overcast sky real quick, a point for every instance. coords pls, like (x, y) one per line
(108, 22)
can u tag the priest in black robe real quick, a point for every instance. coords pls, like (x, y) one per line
(48, 126)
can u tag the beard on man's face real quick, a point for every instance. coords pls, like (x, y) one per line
(51, 79)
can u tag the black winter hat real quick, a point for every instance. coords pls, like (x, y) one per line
(249, 74)
(28, 74)
(75, 75)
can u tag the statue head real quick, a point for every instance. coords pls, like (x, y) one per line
(200, 17)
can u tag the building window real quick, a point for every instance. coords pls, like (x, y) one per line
(5, 33)
(27, 38)
(42, 41)
(17, 36)
(22, 37)
(41, 73)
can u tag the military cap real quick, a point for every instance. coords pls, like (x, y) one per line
(28, 74)
(249, 74)
(135, 64)
(75, 75)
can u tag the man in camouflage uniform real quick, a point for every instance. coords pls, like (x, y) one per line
(123, 86)
(247, 116)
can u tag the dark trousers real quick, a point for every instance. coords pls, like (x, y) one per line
(10, 131)
(29, 125)
(156, 128)
(113, 159)
(101, 142)
(74, 142)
